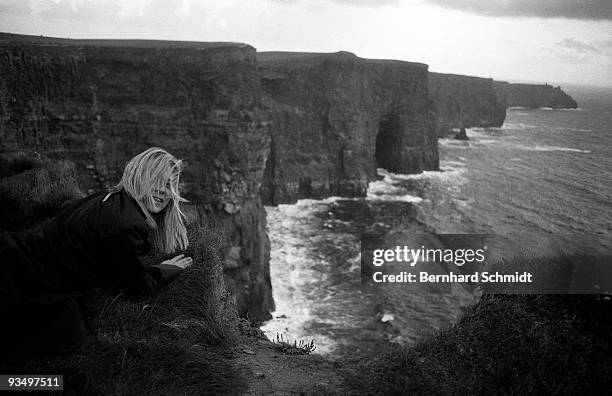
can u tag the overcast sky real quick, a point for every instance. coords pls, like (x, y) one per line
(555, 41)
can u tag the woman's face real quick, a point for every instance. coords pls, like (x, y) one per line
(159, 198)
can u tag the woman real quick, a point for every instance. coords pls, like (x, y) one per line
(94, 241)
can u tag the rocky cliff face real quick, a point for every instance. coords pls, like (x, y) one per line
(337, 117)
(533, 96)
(464, 101)
(283, 125)
(98, 103)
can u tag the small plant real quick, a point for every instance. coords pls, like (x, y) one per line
(246, 327)
(296, 348)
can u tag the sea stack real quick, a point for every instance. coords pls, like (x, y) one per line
(461, 135)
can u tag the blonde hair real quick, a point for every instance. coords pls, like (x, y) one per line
(150, 171)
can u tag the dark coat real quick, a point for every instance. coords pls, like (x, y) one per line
(93, 242)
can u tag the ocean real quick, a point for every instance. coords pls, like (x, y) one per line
(545, 172)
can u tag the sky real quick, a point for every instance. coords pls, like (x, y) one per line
(545, 41)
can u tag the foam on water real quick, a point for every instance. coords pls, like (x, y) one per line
(295, 270)
(563, 109)
(576, 129)
(518, 126)
(454, 142)
(389, 189)
(315, 267)
(557, 148)
(493, 183)
(450, 172)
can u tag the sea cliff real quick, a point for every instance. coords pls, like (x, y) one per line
(337, 117)
(464, 102)
(96, 103)
(533, 96)
(253, 128)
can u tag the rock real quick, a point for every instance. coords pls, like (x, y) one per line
(230, 207)
(252, 128)
(138, 94)
(533, 96)
(232, 258)
(464, 101)
(462, 135)
(387, 317)
(337, 117)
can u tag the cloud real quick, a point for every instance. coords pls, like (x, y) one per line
(575, 51)
(158, 14)
(15, 7)
(178, 16)
(592, 48)
(87, 10)
(358, 3)
(606, 46)
(577, 46)
(570, 9)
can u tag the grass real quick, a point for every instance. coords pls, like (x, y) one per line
(33, 189)
(174, 343)
(506, 344)
(566, 274)
(17, 162)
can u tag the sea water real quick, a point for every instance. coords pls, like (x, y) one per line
(544, 172)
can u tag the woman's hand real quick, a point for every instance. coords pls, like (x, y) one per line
(180, 261)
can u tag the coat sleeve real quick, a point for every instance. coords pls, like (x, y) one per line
(127, 272)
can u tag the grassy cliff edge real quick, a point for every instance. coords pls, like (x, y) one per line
(506, 344)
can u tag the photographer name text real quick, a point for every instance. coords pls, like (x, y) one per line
(476, 277)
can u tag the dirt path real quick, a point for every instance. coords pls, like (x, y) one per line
(272, 372)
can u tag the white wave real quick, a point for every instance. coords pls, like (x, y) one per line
(485, 142)
(334, 198)
(514, 108)
(451, 174)
(559, 109)
(389, 189)
(355, 263)
(393, 197)
(301, 209)
(447, 168)
(557, 148)
(484, 130)
(386, 190)
(454, 142)
(579, 130)
(304, 207)
(519, 126)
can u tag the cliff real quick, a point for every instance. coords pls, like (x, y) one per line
(464, 102)
(533, 96)
(96, 103)
(337, 117)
